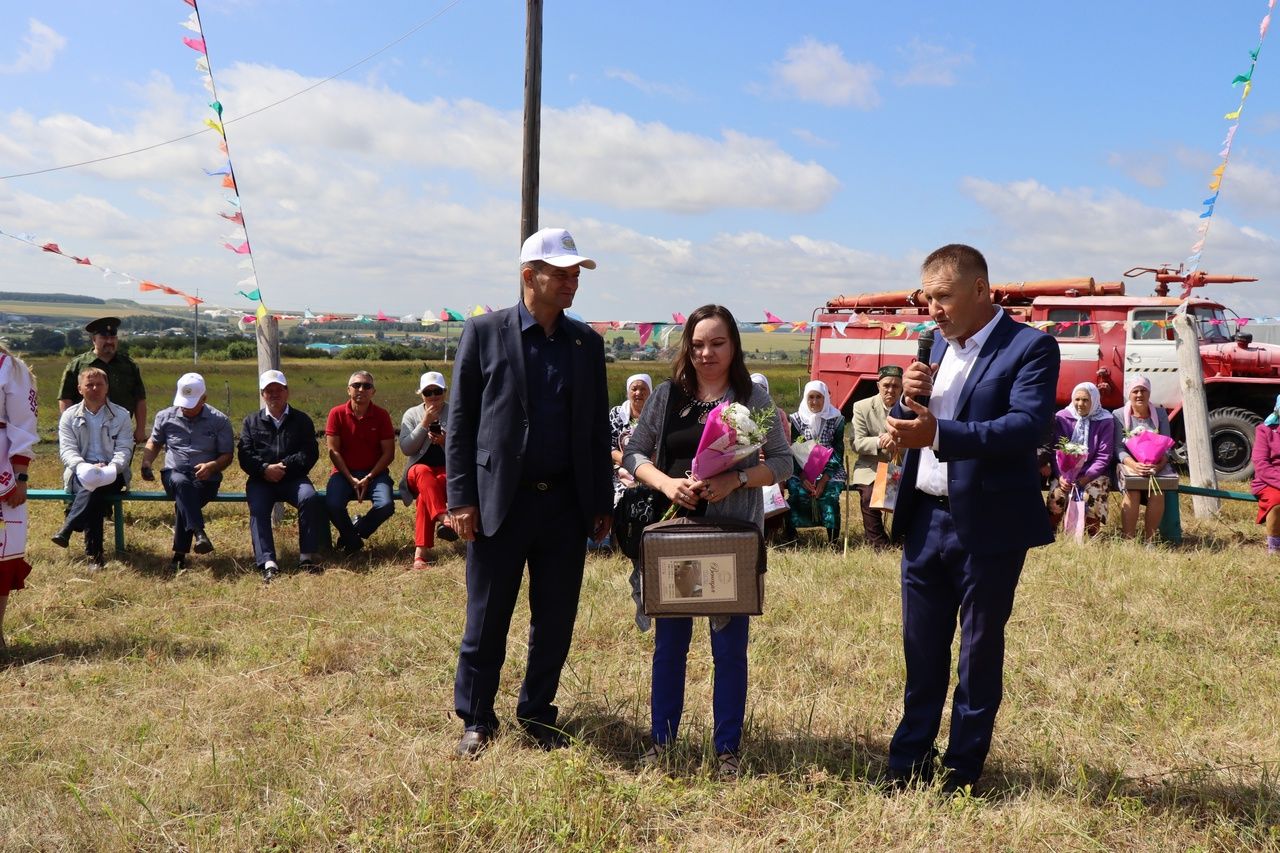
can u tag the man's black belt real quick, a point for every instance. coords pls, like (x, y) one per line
(943, 501)
(547, 485)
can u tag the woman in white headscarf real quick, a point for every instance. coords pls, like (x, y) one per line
(1137, 413)
(1083, 421)
(18, 436)
(817, 503)
(622, 419)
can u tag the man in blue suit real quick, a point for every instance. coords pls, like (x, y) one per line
(529, 479)
(969, 509)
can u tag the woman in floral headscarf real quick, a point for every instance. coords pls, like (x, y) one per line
(817, 503)
(1083, 421)
(1137, 413)
(1266, 476)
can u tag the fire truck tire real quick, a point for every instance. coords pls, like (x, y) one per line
(1231, 433)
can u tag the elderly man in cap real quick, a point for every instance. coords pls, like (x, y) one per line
(198, 445)
(278, 449)
(529, 480)
(870, 441)
(124, 380)
(423, 483)
(362, 443)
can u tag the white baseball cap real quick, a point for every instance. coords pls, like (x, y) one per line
(556, 247)
(431, 377)
(190, 390)
(271, 377)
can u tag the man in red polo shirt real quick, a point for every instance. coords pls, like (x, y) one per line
(362, 444)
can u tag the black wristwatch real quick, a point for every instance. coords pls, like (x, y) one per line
(22, 478)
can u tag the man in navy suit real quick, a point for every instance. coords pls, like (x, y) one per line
(530, 478)
(969, 509)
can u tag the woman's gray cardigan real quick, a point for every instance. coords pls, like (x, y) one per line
(741, 504)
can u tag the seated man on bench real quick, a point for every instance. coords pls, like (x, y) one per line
(198, 442)
(95, 443)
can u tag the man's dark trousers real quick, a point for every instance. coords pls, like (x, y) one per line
(546, 529)
(87, 510)
(189, 498)
(298, 492)
(939, 579)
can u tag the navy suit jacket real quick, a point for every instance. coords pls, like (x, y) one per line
(993, 479)
(489, 420)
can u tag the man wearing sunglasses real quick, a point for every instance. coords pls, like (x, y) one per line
(423, 484)
(124, 379)
(362, 443)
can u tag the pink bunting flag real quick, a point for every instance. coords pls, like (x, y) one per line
(192, 301)
(1264, 26)
(195, 44)
(773, 318)
(52, 247)
(85, 261)
(242, 249)
(679, 318)
(645, 330)
(191, 3)
(383, 318)
(237, 217)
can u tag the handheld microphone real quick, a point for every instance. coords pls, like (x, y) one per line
(923, 352)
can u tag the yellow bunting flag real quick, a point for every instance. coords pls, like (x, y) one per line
(262, 311)
(896, 329)
(210, 123)
(768, 327)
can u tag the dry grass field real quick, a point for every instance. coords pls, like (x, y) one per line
(208, 712)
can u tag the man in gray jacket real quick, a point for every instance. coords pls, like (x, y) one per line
(95, 443)
(870, 441)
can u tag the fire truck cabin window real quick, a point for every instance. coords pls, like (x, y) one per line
(1144, 328)
(1213, 324)
(1067, 323)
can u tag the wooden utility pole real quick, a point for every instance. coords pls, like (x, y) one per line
(268, 329)
(532, 119)
(1195, 416)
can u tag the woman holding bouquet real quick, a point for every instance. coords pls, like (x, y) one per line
(817, 502)
(708, 369)
(1134, 416)
(1266, 477)
(1085, 424)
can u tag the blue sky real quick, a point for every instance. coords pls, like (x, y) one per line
(767, 159)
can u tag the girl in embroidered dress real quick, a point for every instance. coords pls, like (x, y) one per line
(18, 435)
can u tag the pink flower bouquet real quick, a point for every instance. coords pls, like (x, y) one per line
(732, 433)
(811, 457)
(1070, 456)
(1148, 447)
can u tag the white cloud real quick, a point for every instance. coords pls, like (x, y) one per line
(1251, 188)
(1144, 167)
(421, 211)
(649, 87)
(40, 45)
(931, 64)
(810, 138)
(1040, 233)
(819, 72)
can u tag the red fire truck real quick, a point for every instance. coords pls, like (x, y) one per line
(1103, 335)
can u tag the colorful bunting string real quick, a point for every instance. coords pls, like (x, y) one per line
(1192, 263)
(238, 241)
(143, 284)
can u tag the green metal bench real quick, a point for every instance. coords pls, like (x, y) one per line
(117, 503)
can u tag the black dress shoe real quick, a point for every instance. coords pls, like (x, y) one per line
(268, 572)
(62, 538)
(473, 742)
(549, 739)
(202, 544)
(445, 533)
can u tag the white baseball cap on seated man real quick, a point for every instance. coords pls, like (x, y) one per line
(271, 377)
(190, 390)
(429, 378)
(554, 246)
